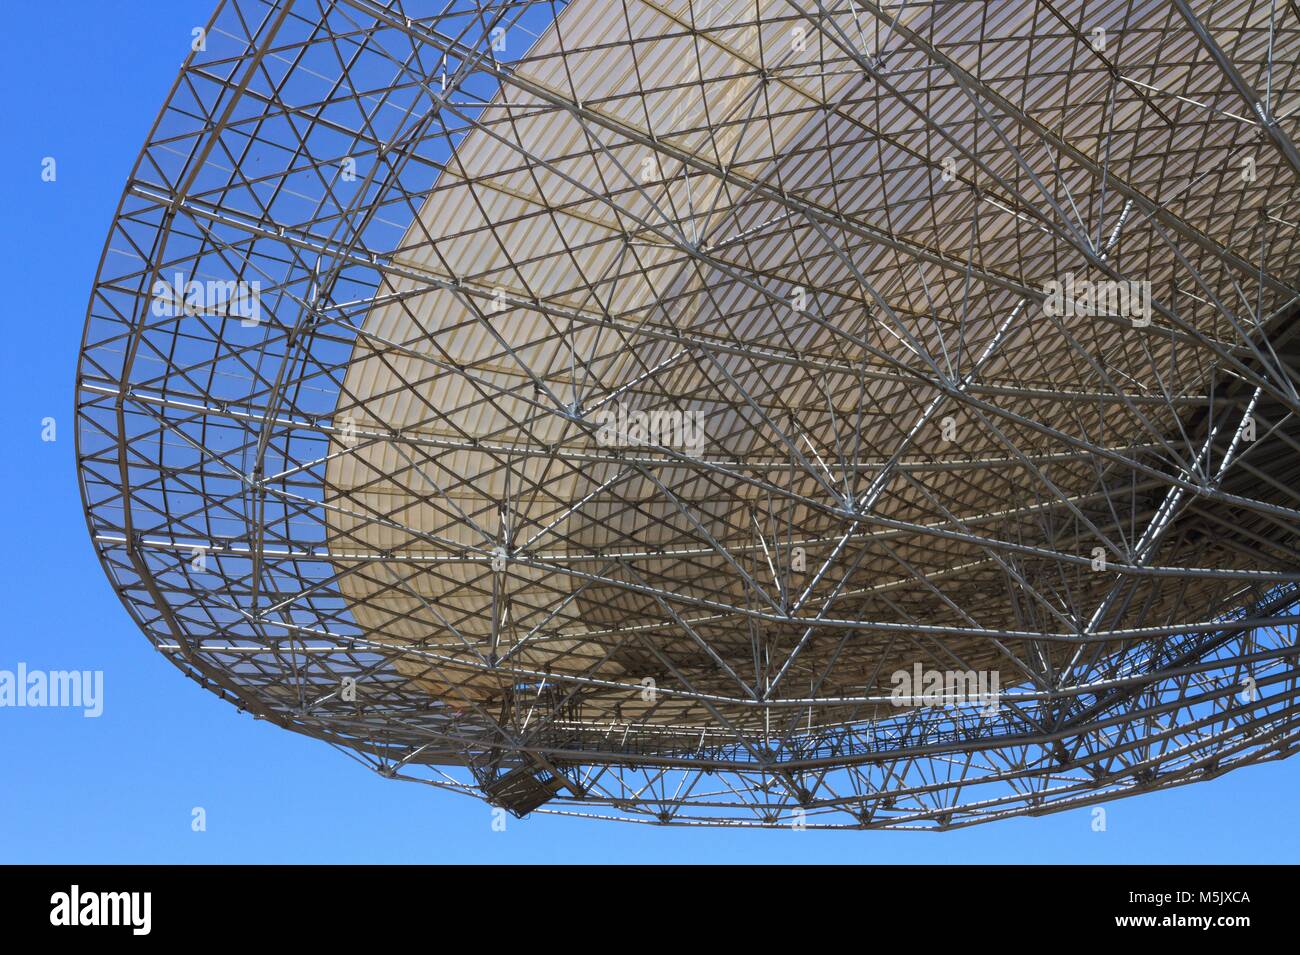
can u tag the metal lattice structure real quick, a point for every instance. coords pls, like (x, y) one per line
(385, 269)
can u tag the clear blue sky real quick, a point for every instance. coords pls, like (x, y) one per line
(82, 82)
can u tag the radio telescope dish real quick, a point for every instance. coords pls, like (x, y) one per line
(753, 413)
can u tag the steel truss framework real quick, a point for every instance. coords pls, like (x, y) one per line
(377, 507)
